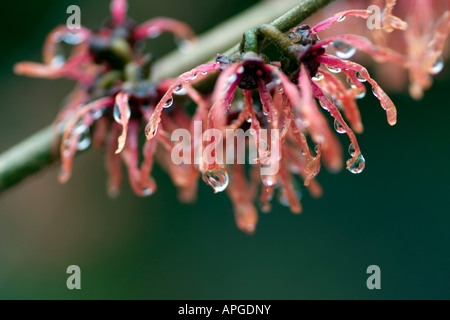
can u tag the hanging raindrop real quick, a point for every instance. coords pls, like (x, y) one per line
(358, 166)
(343, 50)
(334, 70)
(153, 32)
(351, 150)
(179, 90)
(361, 94)
(118, 115)
(216, 179)
(437, 66)
(151, 128)
(360, 77)
(339, 127)
(168, 103)
(319, 76)
(84, 141)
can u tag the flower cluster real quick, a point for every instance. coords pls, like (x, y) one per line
(290, 96)
(113, 95)
(286, 95)
(420, 43)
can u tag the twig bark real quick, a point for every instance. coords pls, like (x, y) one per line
(36, 152)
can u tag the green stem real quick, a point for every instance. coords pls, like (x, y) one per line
(27, 158)
(280, 39)
(250, 41)
(36, 152)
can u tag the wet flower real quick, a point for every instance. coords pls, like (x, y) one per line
(256, 94)
(425, 26)
(113, 95)
(282, 104)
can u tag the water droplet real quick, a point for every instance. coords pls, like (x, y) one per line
(204, 73)
(216, 179)
(249, 118)
(85, 141)
(194, 76)
(72, 38)
(323, 105)
(58, 61)
(147, 192)
(350, 83)
(361, 94)
(168, 103)
(319, 76)
(269, 180)
(437, 66)
(153, 32)
(360, 77)
(339, 104)
(343, 50)
(179, 90)
(351, 150)
(96, 114)
(280, 90)
(341, 19)
(232, 78)
(79, 127)
(316, 149)
(118, 115)
(374, 91)
(240, 70)
(358, 166)
(339, 127)
(151, 128)
(66, 153)
(186, 46)
(334, 70)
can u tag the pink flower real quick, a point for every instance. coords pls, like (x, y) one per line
(419, 45)
(286, 97)
(113, 94)
(285, 100)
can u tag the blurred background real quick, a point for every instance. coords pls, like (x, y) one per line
(394, 215)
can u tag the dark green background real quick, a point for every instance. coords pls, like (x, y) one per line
(394, 215)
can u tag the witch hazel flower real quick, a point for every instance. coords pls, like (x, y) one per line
(280, 106)
(258, 95)
(426, 26)
(113, 96)
(416, 30)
